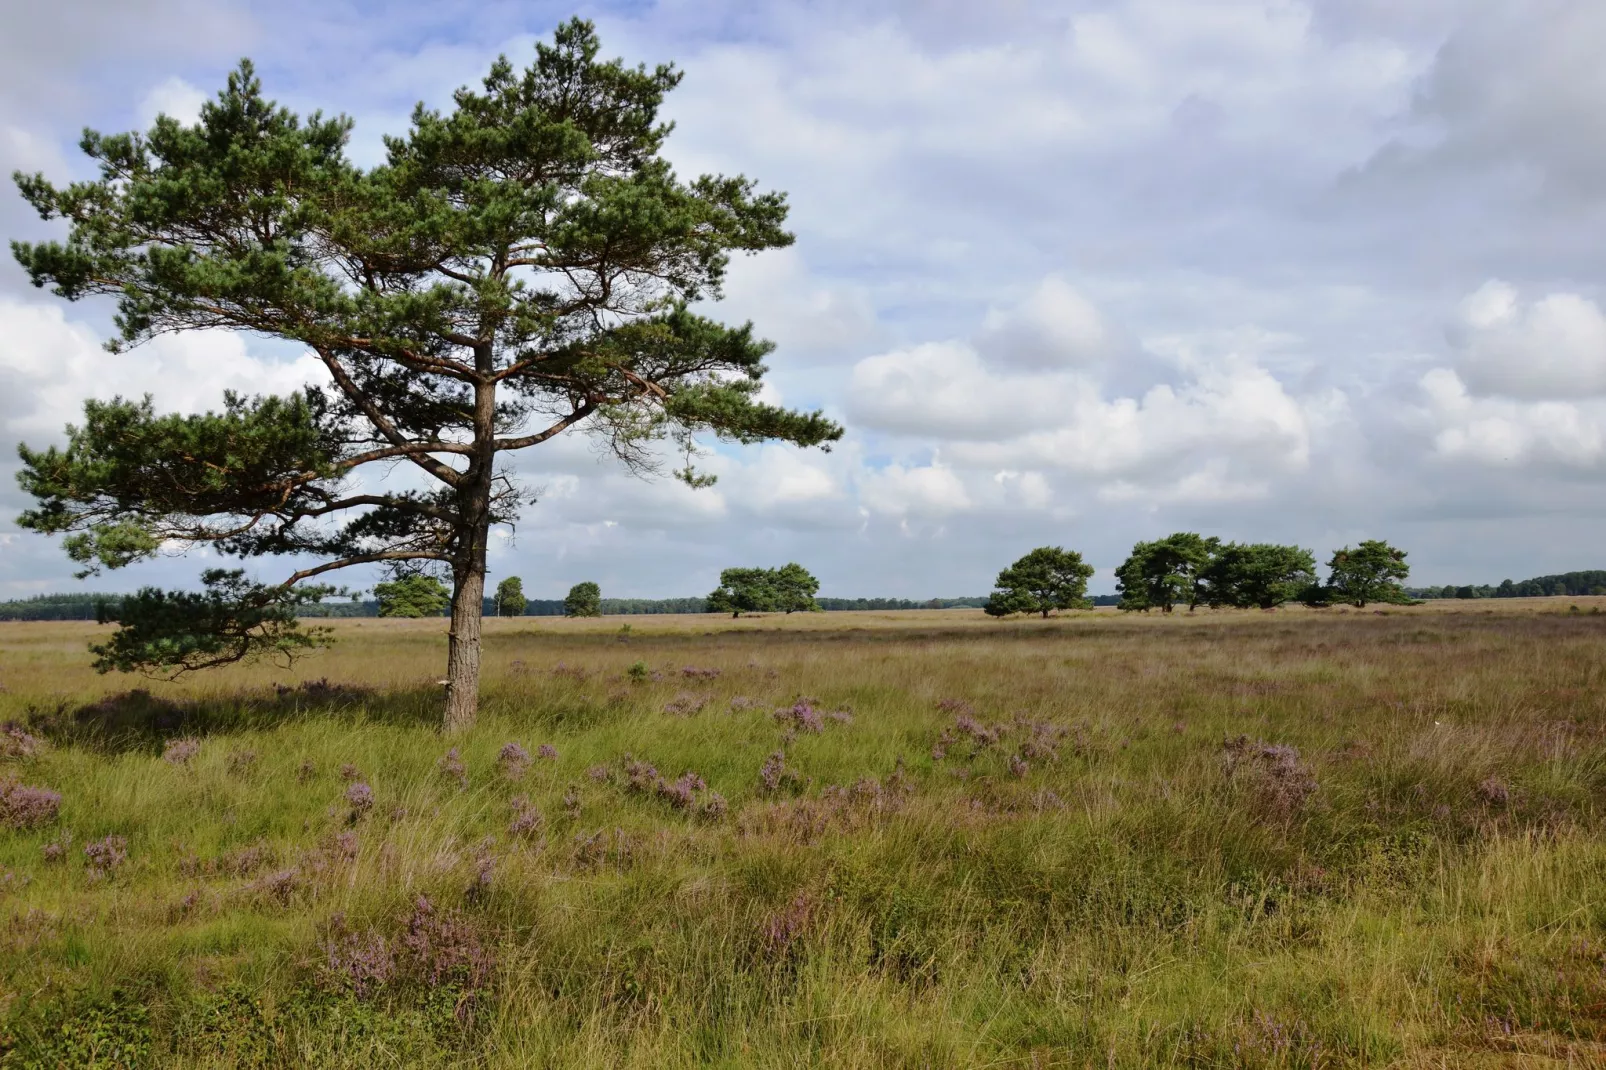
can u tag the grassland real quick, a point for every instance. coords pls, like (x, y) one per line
(1242, 839)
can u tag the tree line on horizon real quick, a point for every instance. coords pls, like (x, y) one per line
(87, 605)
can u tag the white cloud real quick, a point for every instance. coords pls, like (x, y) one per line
(1056, 326)
(922, 492)
(173, 97)
(1554, 348)
(1509, 433)
(49, 365)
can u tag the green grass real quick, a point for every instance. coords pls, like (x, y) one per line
(1437, 900)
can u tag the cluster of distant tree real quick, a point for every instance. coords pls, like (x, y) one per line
(1191, 570)
(58, 607)
(1568, 583)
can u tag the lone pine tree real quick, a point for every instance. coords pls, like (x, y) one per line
(521, 264)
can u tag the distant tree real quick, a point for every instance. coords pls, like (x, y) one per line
(1046, 579)
(1164, 573)
(795, 589)
(1261, 575)
(745, 590)
(1371, 572)
(510, 597)
(583, 600)
(412, 596)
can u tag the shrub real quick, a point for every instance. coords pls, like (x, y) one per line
(25, 807)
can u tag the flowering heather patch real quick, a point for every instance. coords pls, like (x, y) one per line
(1018, 766)
(682, 792)
(979, 734)
(443, 945)
(361, 799)
(306, 771)
(571, 803)
(513, 761)
(15, 742)
(527, 821)
(1280, 781)
(742, 702)
(57, 851)
(362, 961)
(775, 775)
(547, 752)
(598, 773)
(570, 672)
(801, 716)
(104, 856)
(685, 704)
(350, 772)
(25, 807)
(241, 762)
(429, 947)
(181, 751)
(691, 672)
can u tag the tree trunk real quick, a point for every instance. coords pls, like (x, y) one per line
(463, 648)
(468, 570)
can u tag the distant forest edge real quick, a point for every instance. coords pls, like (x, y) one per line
(85, 606)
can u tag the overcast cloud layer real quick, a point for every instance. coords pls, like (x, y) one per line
(1074, 273)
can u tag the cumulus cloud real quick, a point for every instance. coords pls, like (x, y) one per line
(173, 97)
(1056, 326)
(1552, 348)
(1509, 433)
(922, 492)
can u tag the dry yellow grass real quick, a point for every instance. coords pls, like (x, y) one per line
(1303, 838)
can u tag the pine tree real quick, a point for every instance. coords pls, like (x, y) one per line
(521, 264)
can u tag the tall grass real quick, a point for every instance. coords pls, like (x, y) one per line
(1279, 840)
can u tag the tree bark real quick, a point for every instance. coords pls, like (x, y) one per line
(468, 571)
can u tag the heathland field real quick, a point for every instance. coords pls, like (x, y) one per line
(918, 839)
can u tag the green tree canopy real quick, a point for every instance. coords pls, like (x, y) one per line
(1164, 573)
(412, 596)
(795, 588)
(583, 600)
(510, 600)
(1262, 575)
(521, 264)
(1371, 572)
(745, 590)
(1046, 579)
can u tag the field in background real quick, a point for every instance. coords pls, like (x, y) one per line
(1291, 839)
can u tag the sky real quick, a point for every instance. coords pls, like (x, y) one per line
(1071, 273)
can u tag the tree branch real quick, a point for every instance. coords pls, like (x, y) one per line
(541, 436)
